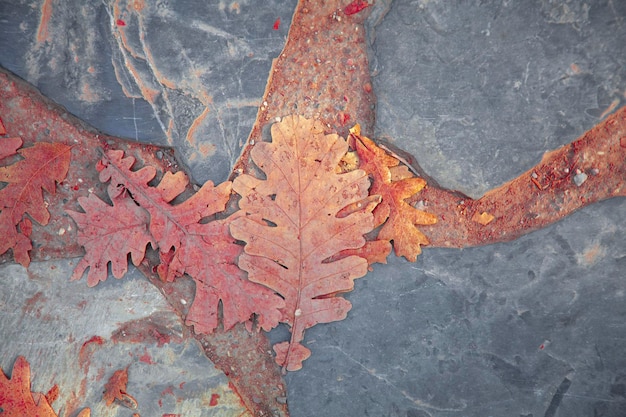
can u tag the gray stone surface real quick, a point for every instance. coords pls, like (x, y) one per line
(477, 92)
(529, 328)
(52, 322)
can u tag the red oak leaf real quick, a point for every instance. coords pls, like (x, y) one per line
(210, 261)
(187, 243)
(292, 227)
(168, 223)
(16, 399)
(399, 219)
(43, 164)
(9, 146)
(109, 234)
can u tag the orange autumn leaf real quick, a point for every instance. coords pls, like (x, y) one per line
(115, 389)
(399, 219)
(187, 243)
(16, 399)
(292, 227)
(43, 165)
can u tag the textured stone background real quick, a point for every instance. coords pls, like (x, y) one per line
(477, 92)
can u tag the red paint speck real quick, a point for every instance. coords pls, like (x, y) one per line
(182, 384)
(120, 22)
(213, 400)
(276, 24)
(542, 346)
(355, 7)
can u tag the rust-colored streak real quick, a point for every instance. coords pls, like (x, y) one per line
(322, 73)
(192, 133)
(87, 350)
(523, 205)
(609, 109)
(46, 12)
(34, 304)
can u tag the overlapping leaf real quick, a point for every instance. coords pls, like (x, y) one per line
(109, 234)
(43, 165)
(399, 219)
(205, 251)
(292, 229)
(16, 399)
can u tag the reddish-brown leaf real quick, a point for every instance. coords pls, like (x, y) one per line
(292, 227)
(16, 399)
(399, 219)
(169, 224)
(115, 389)
(43, 164)
(187, 244)
(9, 146)
(109, 234)
(210, 260)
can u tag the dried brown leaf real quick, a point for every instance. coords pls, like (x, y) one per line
(109, 234)
(292, 227)
(43, 165)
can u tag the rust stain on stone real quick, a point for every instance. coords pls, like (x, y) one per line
(46, 12)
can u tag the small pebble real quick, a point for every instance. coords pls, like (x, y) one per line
(580, 178)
